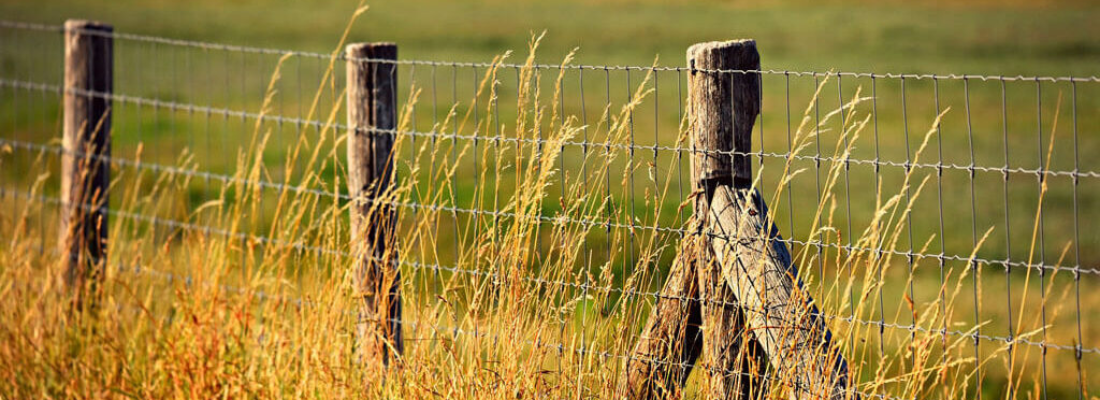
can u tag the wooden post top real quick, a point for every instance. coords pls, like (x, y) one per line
(87, 25)
(724, 100)
(730, 50)
(379, 50)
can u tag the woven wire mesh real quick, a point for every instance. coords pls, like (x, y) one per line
(996, 245)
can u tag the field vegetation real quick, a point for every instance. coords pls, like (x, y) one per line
(229, 270)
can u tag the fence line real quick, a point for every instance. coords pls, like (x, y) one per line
(342, 56)
(269, 117)
(628, 221)
(282, 187)
(1007, 263)
(300, 302)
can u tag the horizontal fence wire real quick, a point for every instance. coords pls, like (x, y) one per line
(299, 303)
(544, 219)
(183, 226)
(275, 118)
(343, 56)
(994, 161)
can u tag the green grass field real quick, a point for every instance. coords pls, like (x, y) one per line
(1048, 38)
(984, 122)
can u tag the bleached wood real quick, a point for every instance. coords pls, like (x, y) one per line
(723, 106)
(723, 102)
(672, 340)
(781, 314)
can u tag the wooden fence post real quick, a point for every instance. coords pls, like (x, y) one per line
(671, 341)
(786, 324)
(722, 110)
(752, 259)
(85, 165)
(695, 309)
(372, 117)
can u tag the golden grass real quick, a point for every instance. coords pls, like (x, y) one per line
(262, 305)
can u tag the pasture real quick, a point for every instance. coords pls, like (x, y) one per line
(542, 194)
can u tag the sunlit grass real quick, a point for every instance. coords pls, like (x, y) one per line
(248, 293)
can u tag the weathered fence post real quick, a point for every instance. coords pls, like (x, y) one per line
(757, 265)
(753, 261)
(695, 309)
(672, 340)
(85, 167)
(750, 301)
(372, 117)
(722, 108)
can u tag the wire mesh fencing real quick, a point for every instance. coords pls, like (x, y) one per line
(941, 222)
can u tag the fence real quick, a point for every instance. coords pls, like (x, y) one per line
(940, 222)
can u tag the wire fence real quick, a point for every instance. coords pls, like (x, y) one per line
(993, 249)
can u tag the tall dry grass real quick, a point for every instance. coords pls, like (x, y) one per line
(250, 295)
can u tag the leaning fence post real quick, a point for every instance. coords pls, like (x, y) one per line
(85, 167)
(671, 341)
(723, 106)
(372, 117)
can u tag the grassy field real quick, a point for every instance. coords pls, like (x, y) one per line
(1048, 39)
(1051, 38)
(984, 122)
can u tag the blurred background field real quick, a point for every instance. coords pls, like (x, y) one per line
(991, 124)
(981, 38)
(990, 37)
